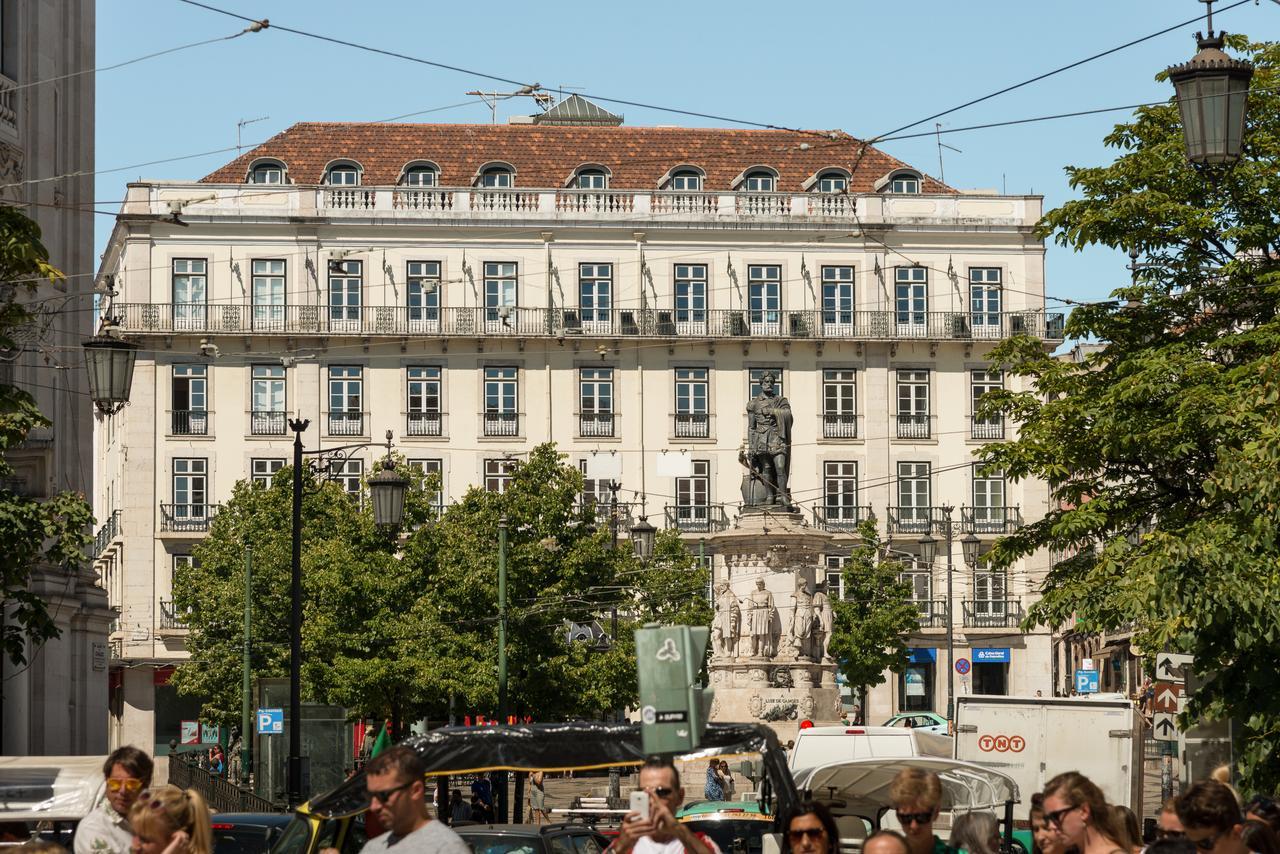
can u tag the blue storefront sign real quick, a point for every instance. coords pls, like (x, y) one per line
(922, 655)
(991, 655)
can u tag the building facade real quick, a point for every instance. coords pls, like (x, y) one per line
(55, 703)
(619, 291)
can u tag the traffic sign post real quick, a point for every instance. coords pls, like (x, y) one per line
(1166, 697)
(673, 706)
(1086, 681)
(270, 721)
(1164, 726)
(962, 666)
(1173, 667)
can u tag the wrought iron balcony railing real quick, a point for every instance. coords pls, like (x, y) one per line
(187, 517)
(991, 520)
(502, 423)
(992, 613)
(839, 425)
(692, 425)
(424, 424)
(840, 517)
(267, 422)
(189, 422)
(170, 618)
(697, 518)
(986, 428)
(914, 426)
(108, 531)
(913, 520)
(595, 424)
(346, 423)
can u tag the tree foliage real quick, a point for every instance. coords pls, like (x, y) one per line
(1163, 445)
(875, 615)
(52, 531)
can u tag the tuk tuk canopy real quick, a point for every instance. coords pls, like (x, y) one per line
(49, 788)
(862, 785)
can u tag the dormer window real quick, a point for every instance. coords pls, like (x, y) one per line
(686, 180)
(343, 175)
(759, 182)
(832, 182)
(496, 178)
(420, 176)
(905, 183)
(266, 172)
(592, 179)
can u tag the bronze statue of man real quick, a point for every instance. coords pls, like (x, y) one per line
(768, 447)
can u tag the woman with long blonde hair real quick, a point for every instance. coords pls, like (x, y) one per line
(169, 820)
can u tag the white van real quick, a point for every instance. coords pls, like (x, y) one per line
(824, 745)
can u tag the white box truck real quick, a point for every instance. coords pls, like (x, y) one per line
(1032, 739)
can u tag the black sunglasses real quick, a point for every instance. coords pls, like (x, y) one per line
(806, 833)
(661, 791)
(385, 794)
(1055, 818)
(1208, 842)
(905, 818)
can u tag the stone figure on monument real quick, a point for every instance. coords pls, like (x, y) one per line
(802, 619)
(822, 628)
(727, 625)
(760, 625)
(767, 456)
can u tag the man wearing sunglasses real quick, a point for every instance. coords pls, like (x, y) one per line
(396, 783)
(1167, 824)
(106, 830)
(916, 795)
(659, 832)
(1211, 818)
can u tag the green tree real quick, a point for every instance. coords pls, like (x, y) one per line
(1162, 448)
(875, 616)
(51, 531)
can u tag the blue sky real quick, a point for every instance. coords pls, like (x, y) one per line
(864, 67)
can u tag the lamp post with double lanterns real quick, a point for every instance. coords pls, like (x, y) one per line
(386, 492)
(1213, 92)
(928, 551)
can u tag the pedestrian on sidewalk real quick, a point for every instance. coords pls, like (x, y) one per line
(106, 830)
(713, 789)
(538, 813)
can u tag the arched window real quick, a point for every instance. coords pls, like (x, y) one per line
(496, 177)
(688, 180)
(266, 172)
(343, 175)
(592, 179)
(832, 182)
(420, 175)
(905, 183)
(759, 181)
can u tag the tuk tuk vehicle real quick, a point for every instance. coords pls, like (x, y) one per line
(335, 819)
(857, 792)
(47, 796)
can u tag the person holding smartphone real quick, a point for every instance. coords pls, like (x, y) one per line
(651, 826)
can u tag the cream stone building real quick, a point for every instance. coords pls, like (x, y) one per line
(618, 290)
(57, 702)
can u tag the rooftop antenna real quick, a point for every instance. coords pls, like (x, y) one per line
(565, 87)
(492, 98)
(240, 126)
(937, 130)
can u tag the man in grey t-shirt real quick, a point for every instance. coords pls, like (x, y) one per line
(398, 796)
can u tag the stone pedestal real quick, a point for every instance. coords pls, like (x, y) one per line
(778, 676)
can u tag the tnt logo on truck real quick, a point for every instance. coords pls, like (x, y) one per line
(1002, 743)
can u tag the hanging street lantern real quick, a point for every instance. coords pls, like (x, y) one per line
(971, 545)
(109, 362)
(387, 490)
(1212, 91)
(928, 549)
(642, 538)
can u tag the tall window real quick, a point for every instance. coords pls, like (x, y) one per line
(422, 290)
(427, 467)
(686, 180)
(835, 575)
(840, 494)
(758, 182)
(990, 597)
(912, 295)
(982, 383)
(913, 405)
(693, 498)
(345, 288)
(262, 469)
(501, 401)
(837, 297)
(349, 474)
(596, 493)
(921, 581)
(693, 419)
(346, 401)
(691, 297)
(190, 292)
(754, 375)
(497, 474)
(839, 404)
(595, 294)
(267, 418)
(190, 489)
(764, 298)
(988, 501)
(268, 295)
(423, 398)
(914, 497)
(190, 400)
(499, 293)
(595, 396)
(984, 301)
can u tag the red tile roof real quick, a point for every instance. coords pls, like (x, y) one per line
(545, 156)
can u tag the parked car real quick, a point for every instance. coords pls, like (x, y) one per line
(738, 827)
(532, 839)
(926, 721)
(247, 832)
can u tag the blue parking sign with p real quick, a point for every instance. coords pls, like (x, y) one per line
(270, 721)
(1086, 681)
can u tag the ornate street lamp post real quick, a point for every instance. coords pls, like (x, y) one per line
(1213, 92)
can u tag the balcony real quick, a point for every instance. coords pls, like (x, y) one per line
(992, 613)
(839, 425)
(595, 424)
(267, 423)
(840, 518)
(914, 426)
(346, 423)
(692, 425)
(170, 619)
(991, 520)
(603, 510)
(187, 517)
(109, 530)
(696, 518)
(986, 428)
(501, 423)
(933, 613)
(189, 422)
(424, 424)
(913, 520)
(400, 321)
